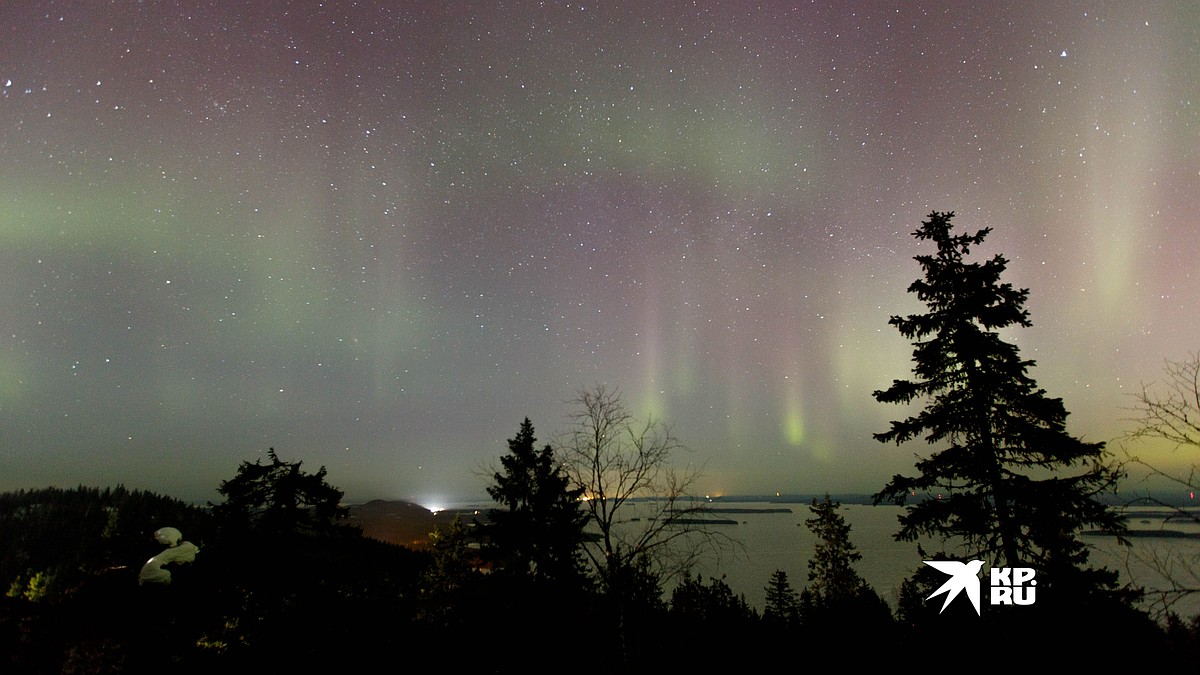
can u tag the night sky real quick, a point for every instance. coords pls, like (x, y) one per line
(377, 235)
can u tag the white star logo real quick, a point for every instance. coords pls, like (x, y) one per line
(963, 576)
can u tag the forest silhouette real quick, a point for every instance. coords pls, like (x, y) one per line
(559, 574)
(334, 598)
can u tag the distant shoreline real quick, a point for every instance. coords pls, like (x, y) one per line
(1149, 500)
(732, 510)
(1163, 534)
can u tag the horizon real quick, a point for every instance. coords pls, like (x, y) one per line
(1148, 497)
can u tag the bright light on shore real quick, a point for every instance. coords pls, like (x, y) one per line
(434, 506)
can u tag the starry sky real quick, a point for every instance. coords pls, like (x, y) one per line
(377, 235)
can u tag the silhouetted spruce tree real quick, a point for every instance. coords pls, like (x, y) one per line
(1007, 480)
(450, 586)
(279, 499)
(831, 572)
(283, 563)
(715, 603)
(702, 615)
(836, 593)
(536, 543)
(538, 532)
(782, 606)
(450, 566)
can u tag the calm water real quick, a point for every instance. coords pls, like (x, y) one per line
(772, 541)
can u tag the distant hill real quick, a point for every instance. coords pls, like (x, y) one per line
(403, 523)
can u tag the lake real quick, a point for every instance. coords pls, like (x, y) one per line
(776, 540)
(771, 541)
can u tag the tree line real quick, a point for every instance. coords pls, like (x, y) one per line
(570, 566)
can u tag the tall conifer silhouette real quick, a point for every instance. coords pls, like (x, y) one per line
(1005, 481)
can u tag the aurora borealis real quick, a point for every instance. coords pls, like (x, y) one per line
(377, 235)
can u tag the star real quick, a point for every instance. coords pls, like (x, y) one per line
(708, 210)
